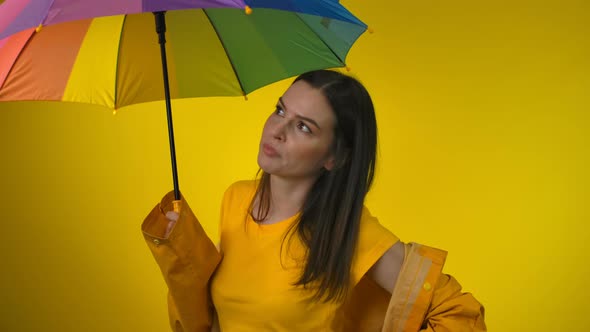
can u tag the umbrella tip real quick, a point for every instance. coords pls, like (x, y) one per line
(245, 96)
(348, 68)
(39, 27)
(114, 112)
(248, 10)
(370, 30)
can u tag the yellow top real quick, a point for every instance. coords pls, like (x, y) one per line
(252, 288)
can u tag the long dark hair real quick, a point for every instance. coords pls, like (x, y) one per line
(329, 221)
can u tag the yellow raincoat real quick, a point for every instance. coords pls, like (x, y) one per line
(423, 299)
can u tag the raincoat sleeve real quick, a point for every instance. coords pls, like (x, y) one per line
(453, 310)
(424, 299)
(187, 259)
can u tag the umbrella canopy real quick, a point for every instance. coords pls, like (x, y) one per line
(115, 61)
(105, 52)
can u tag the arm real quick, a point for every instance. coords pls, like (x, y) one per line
(386, 270)
(187, 258)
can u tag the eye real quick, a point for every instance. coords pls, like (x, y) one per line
(303, 127)
(279, 111)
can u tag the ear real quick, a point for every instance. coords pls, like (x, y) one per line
(336, 160)
(330, 163)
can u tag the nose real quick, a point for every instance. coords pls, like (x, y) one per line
(277, 129)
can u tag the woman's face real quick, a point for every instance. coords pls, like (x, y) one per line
(297, 137)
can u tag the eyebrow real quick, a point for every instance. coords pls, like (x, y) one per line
(312, 121)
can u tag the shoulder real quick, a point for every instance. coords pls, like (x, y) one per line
(239, 194)
(371, 230)
(240, 189)
(235, 203)
(242, 185)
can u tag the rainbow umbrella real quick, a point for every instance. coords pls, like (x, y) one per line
(105, 52)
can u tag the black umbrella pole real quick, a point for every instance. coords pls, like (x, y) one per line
(161, 30)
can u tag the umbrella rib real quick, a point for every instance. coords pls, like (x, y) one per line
(9, 71)
(115, 96)
(225, 50)
(322, 39)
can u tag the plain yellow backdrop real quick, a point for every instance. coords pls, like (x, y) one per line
(483, 111)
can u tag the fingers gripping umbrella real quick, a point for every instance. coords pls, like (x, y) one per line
(102, 52)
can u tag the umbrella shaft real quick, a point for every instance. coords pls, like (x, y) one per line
(161, 31)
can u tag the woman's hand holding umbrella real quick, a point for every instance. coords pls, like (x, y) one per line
(172, 217)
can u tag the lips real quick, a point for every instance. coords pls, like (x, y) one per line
(268, 150)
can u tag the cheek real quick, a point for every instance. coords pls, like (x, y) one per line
(311, 153)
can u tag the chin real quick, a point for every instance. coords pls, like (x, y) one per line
(264, 164)
(266, 169)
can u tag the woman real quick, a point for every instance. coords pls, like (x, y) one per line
(296, 243)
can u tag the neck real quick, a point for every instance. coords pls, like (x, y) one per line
(287, 197)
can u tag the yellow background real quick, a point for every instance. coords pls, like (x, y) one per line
(484, 151)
